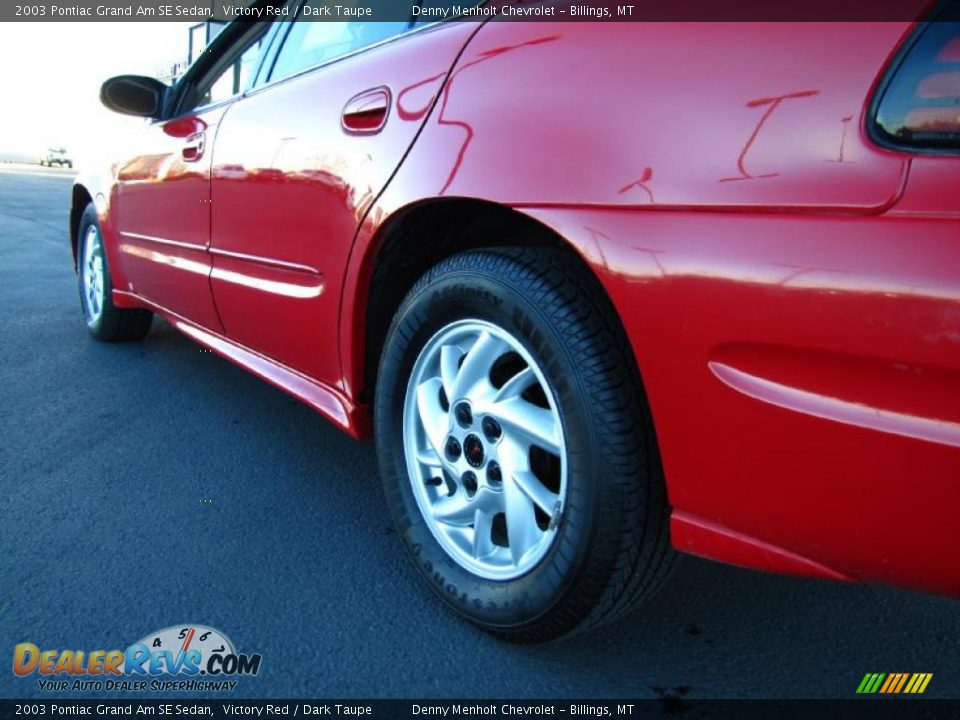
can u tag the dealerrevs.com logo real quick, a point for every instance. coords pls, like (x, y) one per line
(189, 658)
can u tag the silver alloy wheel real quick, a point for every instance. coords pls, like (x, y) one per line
(485, 449)
(92, 275)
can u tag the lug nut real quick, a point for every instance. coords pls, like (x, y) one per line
(494, 475)
(491, 429)
(453, 449)
(469, 481)
(464, 414)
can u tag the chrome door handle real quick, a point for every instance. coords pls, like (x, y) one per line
(367, 112)
(194, 146)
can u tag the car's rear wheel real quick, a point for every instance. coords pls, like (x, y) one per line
(515, 447)
(104, 320)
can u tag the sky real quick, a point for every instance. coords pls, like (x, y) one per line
(52, 77)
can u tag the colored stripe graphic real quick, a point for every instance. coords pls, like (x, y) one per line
(921, 682)
(894, 683)
(871, 683)
(903, 679)
(891, 678)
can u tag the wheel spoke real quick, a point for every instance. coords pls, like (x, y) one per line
(537, 425)
(515, 385)
(522, 529)
(535, 490)
(432, 416)
(454, 510)
(449, 368)
(428, 456)
(475, 369)
(482, 538)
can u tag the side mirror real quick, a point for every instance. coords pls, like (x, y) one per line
(133, 95)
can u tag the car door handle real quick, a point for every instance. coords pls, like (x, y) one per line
(194, 146)
(367, 112)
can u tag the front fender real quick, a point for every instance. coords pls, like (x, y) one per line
(94, 185)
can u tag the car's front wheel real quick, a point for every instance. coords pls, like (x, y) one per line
(105, 321)
(515, 447)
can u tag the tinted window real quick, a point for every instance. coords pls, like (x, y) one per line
(920, 106)
(313, 42)
(237, 78)
(226, 72)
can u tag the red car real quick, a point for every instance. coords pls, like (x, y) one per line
(600, 291)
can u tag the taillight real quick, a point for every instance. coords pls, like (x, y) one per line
(919, 104)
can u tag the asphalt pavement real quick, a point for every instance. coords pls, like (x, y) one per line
(152, 484)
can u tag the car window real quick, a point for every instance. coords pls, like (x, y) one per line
(313, 42)
(223, 72)
(236, 78)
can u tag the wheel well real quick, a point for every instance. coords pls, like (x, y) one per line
(423, 235)
(81, 198)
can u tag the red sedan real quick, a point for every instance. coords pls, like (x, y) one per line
(600, 291)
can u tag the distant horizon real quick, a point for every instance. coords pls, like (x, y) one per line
(58, 103)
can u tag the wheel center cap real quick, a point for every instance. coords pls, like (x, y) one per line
(473, 450)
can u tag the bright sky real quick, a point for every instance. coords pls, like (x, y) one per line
(52, 77)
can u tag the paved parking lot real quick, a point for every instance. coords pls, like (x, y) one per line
(153, 484)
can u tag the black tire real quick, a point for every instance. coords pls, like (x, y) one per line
(612, 548)
(113, 324)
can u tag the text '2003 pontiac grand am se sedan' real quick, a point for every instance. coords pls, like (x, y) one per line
(600, 292)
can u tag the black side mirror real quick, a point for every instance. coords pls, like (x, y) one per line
(133, 95)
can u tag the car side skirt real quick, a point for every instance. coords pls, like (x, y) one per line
(334, 405)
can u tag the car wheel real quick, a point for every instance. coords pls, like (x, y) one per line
(104, 320)
(515, 445)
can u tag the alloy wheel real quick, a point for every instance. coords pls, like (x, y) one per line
(484, 447)
(92, 273)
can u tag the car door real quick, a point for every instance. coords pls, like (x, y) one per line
(297, 164)
(161, 195)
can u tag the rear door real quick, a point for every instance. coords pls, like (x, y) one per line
(297, 164)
